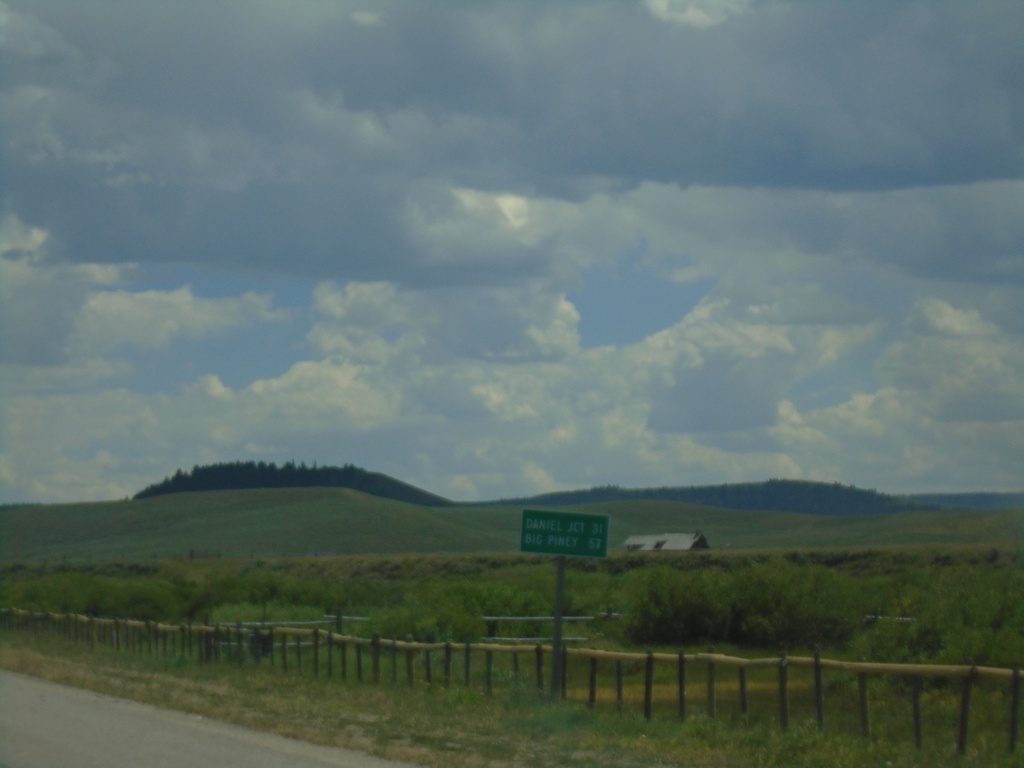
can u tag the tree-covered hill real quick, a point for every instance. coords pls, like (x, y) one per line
(972, 500)
(773, 495)
(240, 475)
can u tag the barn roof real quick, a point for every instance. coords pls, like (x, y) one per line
(678, 542)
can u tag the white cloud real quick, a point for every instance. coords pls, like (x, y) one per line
(932, 315)
(324, 395)
(802, 222)
(374, 321)
(374, 307)
(211, 386)
(697, 13)
(888, 439)
(39, 300)
(366, 18)
(538, 479)
(152, 319)
(959, 366)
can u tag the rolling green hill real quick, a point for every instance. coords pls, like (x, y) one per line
(775, 495)
(299, 521)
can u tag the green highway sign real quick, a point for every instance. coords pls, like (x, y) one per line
(564, 533)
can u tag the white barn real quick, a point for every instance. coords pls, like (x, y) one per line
(667, 542)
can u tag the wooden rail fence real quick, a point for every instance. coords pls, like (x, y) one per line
(213, 643)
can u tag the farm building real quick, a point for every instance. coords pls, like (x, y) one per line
(666, 542)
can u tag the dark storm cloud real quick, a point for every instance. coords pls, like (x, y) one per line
(297, 136)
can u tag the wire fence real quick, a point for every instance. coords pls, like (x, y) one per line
(666, 677)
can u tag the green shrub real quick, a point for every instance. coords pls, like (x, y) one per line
(958, 614)
(785, 605)
(669, 607)
(765, 605)
(144, 599)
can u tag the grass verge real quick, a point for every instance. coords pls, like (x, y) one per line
(458, 727)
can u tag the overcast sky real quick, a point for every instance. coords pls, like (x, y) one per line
(502, 248)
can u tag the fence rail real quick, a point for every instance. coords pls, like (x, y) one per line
(210, 642)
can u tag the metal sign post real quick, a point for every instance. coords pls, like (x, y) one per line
(556, 633)
(563, 534)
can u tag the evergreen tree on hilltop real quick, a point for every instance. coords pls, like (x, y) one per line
(240, 475)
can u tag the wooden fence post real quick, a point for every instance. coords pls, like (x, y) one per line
(712, 693)
(539, 653)
(916, 695)
(743, 690)
(965, 710)
(648, 685)
(619, 698)
(784, 692)
(316, 651)
(394, 660)
(359, 662)
(681, 673)
(489, 661)
(330, 654)
(564, 670)
(447, 664)
(298, 652)
(592, 698)
(466, 662)
(375, 648)
(284, 652)
(426, 666)
(409, 652)
(819, 690)
(1015, 708)
(865, 714)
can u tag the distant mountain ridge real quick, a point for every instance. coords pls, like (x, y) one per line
(241, 475)
(776, 495)
(980, 500)
(799, 496)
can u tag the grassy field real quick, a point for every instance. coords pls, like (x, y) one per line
(772, 581)
(964, 600)
(271, 523)
(456, 726)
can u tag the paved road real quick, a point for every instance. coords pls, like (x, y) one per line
(43, 725)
